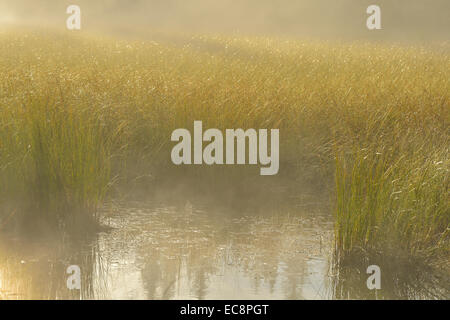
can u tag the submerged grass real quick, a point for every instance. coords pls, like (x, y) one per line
(80, 115)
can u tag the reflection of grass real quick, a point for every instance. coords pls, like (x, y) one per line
(207, 254)
(79, 115)
(39, 270)
(399, 280)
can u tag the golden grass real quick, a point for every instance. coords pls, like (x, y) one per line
(79, 114)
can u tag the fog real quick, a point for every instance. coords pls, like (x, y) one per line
(416, 20)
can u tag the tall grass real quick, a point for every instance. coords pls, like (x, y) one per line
(391, 203)
(55, 159)
(80, 115)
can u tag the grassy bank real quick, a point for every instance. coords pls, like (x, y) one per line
(82, 116)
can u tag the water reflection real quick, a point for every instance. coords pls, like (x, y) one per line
(190, 251)
(399, 280)
(31, 269)
(186, 251)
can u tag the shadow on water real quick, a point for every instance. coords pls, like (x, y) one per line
(184, 248)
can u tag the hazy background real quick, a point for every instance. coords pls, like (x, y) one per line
(413, 20)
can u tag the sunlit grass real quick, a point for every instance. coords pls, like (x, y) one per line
(80, 115)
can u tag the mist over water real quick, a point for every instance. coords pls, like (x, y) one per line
(402, 20)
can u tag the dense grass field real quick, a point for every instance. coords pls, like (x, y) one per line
(81, 116)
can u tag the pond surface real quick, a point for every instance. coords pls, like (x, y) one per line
(183, 251)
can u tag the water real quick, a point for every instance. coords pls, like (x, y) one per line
(183, 251)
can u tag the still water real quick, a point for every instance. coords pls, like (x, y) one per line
(179, 251)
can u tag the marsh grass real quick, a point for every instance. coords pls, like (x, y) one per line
(392, 203)
(83, 116)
